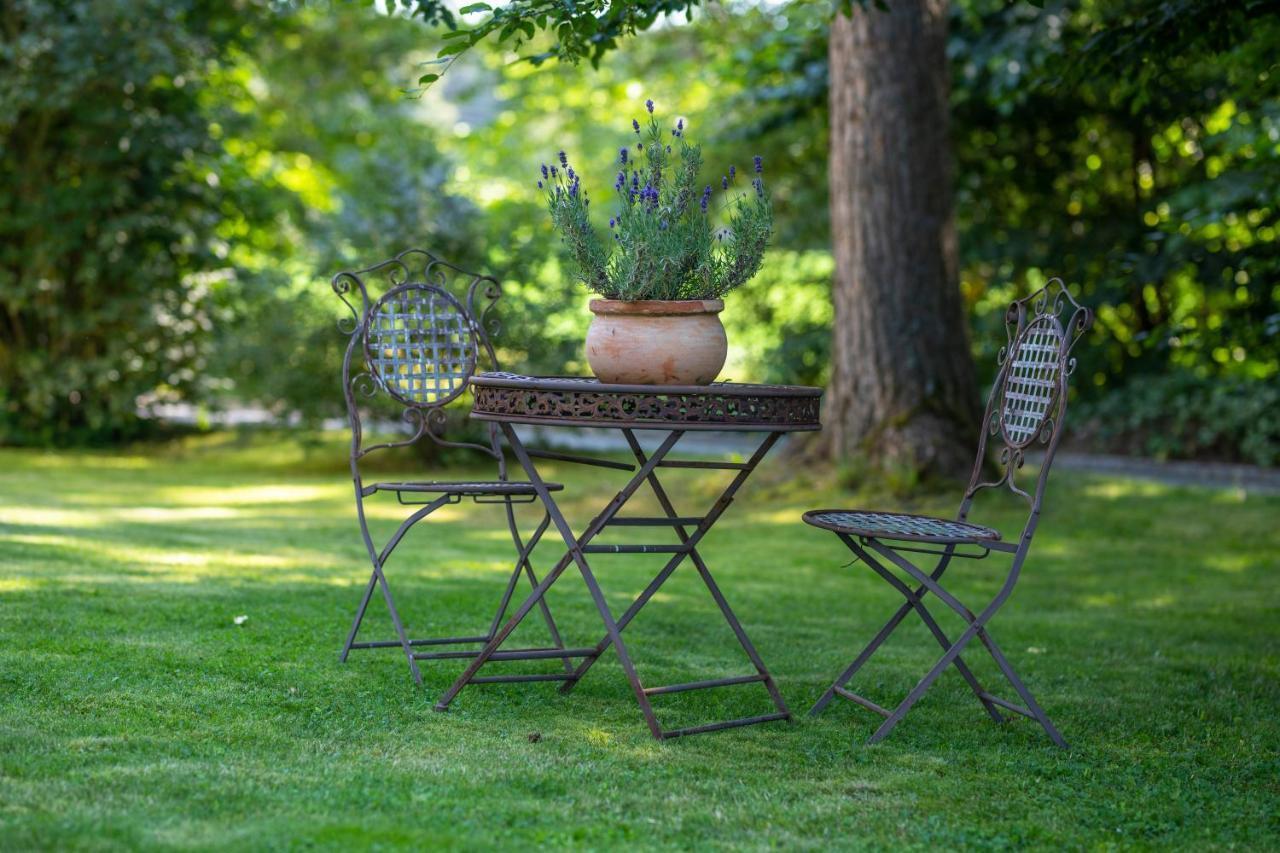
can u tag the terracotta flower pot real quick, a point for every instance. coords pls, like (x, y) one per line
(653, 342)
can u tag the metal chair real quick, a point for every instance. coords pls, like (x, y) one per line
(417, 346)
(1028, 403)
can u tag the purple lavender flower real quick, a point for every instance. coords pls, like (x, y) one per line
(706, 198)
(612, 221)
(733, 172)
(635, 124)
(680, 125)
(648, 105)
(564, 161)
(622, 156)
(724, 183)
(759, 161)
(635, 180)
(544, 171)
(539, 184)
(759, 185)
(554, 172)
(650, 195)
(621, 181)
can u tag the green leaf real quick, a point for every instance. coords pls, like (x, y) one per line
(451, 49)
(475, 7)
(428, 78)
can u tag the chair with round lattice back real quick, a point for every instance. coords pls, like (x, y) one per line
(414, 349)
(1027, 405)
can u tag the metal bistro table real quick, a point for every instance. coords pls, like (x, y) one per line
(508, 399)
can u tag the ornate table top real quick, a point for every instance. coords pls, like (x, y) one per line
(583, 401)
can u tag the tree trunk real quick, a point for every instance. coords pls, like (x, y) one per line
(902, 386)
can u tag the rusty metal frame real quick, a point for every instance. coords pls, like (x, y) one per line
(418, 281)
(690, 530)
(1028, 402)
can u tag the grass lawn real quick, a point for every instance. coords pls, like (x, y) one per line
(136, 713)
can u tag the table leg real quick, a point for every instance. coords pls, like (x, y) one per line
(573, 555)
(690, 542)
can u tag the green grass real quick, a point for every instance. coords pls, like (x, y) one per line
(135, 713)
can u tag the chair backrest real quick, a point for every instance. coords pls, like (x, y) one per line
(418, 330)
(1029, 397)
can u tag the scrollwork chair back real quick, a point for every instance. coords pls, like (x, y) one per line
(416, 343)
(1028, 401)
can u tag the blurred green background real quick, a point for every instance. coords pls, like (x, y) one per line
(179, 180)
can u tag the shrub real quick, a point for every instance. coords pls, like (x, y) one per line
(1182, 415)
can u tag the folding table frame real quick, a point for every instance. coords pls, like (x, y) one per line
(1028, 403)
(508, 399)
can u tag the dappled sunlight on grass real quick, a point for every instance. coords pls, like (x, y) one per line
(42, 461)
(168, 514)
(17, 584)
(1230, 563)
(48, 516)
(1117, 489)
(779, 516)
(263, 495)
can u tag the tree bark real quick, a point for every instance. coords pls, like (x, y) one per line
(902, 386)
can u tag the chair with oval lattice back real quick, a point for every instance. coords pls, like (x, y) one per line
(1027, 404)
(414, 349)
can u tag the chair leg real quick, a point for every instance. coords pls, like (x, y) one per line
(960, 665)
(863, 657)
(979, 623)
(355, 624)
(1032, 705)
(376, 579)
(925, 683)
(556, 641)
(400, 632)
(522, 561)
(379, 578)
(913, 601)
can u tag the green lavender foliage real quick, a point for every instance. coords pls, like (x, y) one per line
(669, 238)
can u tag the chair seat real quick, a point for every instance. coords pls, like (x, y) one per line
(467, 487)
(900, 526)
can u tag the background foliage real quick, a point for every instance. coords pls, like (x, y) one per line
(180, 179)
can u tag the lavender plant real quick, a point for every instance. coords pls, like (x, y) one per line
(667, 239)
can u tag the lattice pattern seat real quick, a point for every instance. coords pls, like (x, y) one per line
(900, 526)
(474, 487)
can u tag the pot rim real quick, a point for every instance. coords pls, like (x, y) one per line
(656, 307)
